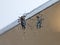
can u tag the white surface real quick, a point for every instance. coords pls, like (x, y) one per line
(11, 9)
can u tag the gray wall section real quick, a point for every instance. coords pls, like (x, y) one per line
(48, 34)
(30, 14)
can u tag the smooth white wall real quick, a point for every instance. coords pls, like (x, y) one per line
(11, 9)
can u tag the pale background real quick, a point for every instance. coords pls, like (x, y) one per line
(11, 9)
